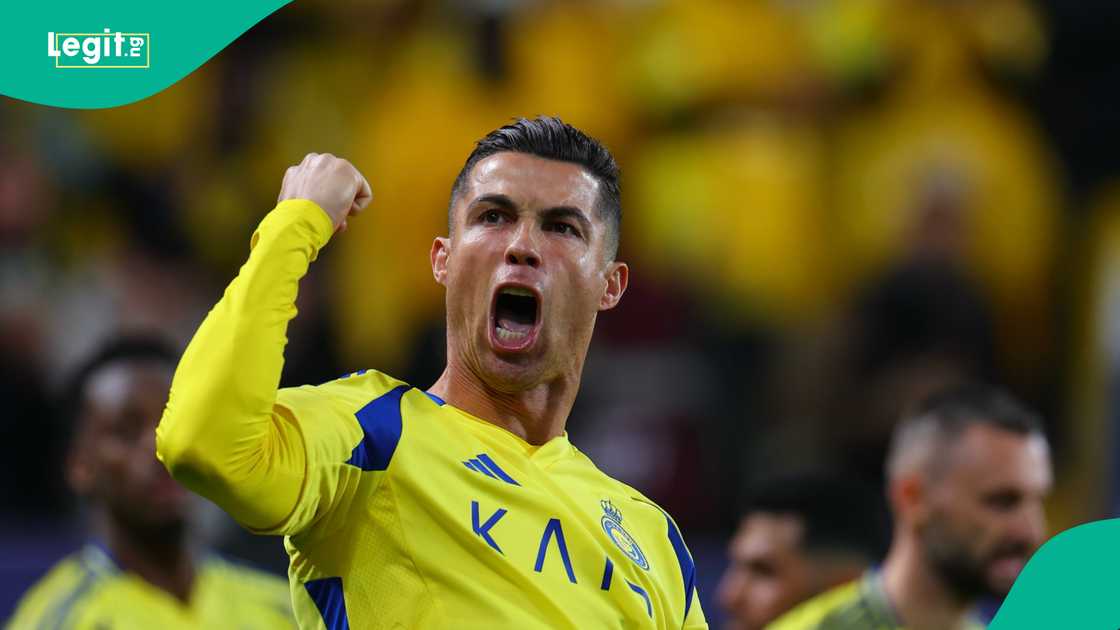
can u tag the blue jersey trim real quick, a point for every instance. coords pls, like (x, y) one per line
(381, 428)
(436, 399)
(329, 599)
(684, 559)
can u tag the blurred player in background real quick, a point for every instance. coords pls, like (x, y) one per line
(967, 474)
(139, 571)
(464, 505)
(798, 537)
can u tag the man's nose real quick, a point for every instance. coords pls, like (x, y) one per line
(1030, 524)
(523, 249)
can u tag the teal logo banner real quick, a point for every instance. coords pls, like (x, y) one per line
(104, 54)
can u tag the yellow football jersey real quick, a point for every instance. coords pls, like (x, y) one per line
(401, 511)
(88, 590)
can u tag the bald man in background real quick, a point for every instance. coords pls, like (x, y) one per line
(967, 473)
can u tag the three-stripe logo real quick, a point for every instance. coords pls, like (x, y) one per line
(483, 463)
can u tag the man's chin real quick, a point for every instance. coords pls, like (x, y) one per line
(512, 372)
(152, 521)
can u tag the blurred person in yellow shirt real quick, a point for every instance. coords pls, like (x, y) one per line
(140, 569)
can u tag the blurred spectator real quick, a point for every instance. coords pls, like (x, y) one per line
(799, 536)
(139, 570)
(922, 325)
(25, 272)
(967, 473)
(921, 328)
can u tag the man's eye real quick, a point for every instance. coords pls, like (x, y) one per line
(1004, 501)
(492, 216)
(562, 228)
(762, 569)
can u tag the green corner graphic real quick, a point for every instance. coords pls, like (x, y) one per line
(137, 48)
(1068, 584)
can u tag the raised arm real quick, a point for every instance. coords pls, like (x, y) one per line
(222, 434)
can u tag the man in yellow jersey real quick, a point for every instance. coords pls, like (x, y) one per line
(139, 571)
(967, 474)
(800, 536)
(463, 505)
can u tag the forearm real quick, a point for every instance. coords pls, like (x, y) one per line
(220, 434)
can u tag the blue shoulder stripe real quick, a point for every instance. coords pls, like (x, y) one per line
(684, 559)
(329, 599)
(381, 428)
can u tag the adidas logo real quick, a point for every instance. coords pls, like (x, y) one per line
(482, 463)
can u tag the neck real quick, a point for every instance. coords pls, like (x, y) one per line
(161, 557)
(536, 415)
(920, 596)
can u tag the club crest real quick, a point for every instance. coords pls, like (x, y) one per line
(612, 525)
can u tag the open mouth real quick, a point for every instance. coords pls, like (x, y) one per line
(515, 318)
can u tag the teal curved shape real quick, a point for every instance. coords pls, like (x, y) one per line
(1068, 584)
(181, 37)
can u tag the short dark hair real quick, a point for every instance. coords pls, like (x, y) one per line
(131, 348)
(945, 414)
(553, 139)
(838, 514)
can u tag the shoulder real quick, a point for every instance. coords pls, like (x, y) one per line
(347, 394)
(816, 611)
(66, 587)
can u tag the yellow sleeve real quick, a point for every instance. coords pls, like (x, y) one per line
(222, 434)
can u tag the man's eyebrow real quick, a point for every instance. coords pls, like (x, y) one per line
(496, 199)
(568, 212)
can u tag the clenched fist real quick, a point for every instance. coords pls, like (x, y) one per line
(331, 182)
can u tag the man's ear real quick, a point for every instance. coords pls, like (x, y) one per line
(618, 276)
(909, 497)
(441, 250)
